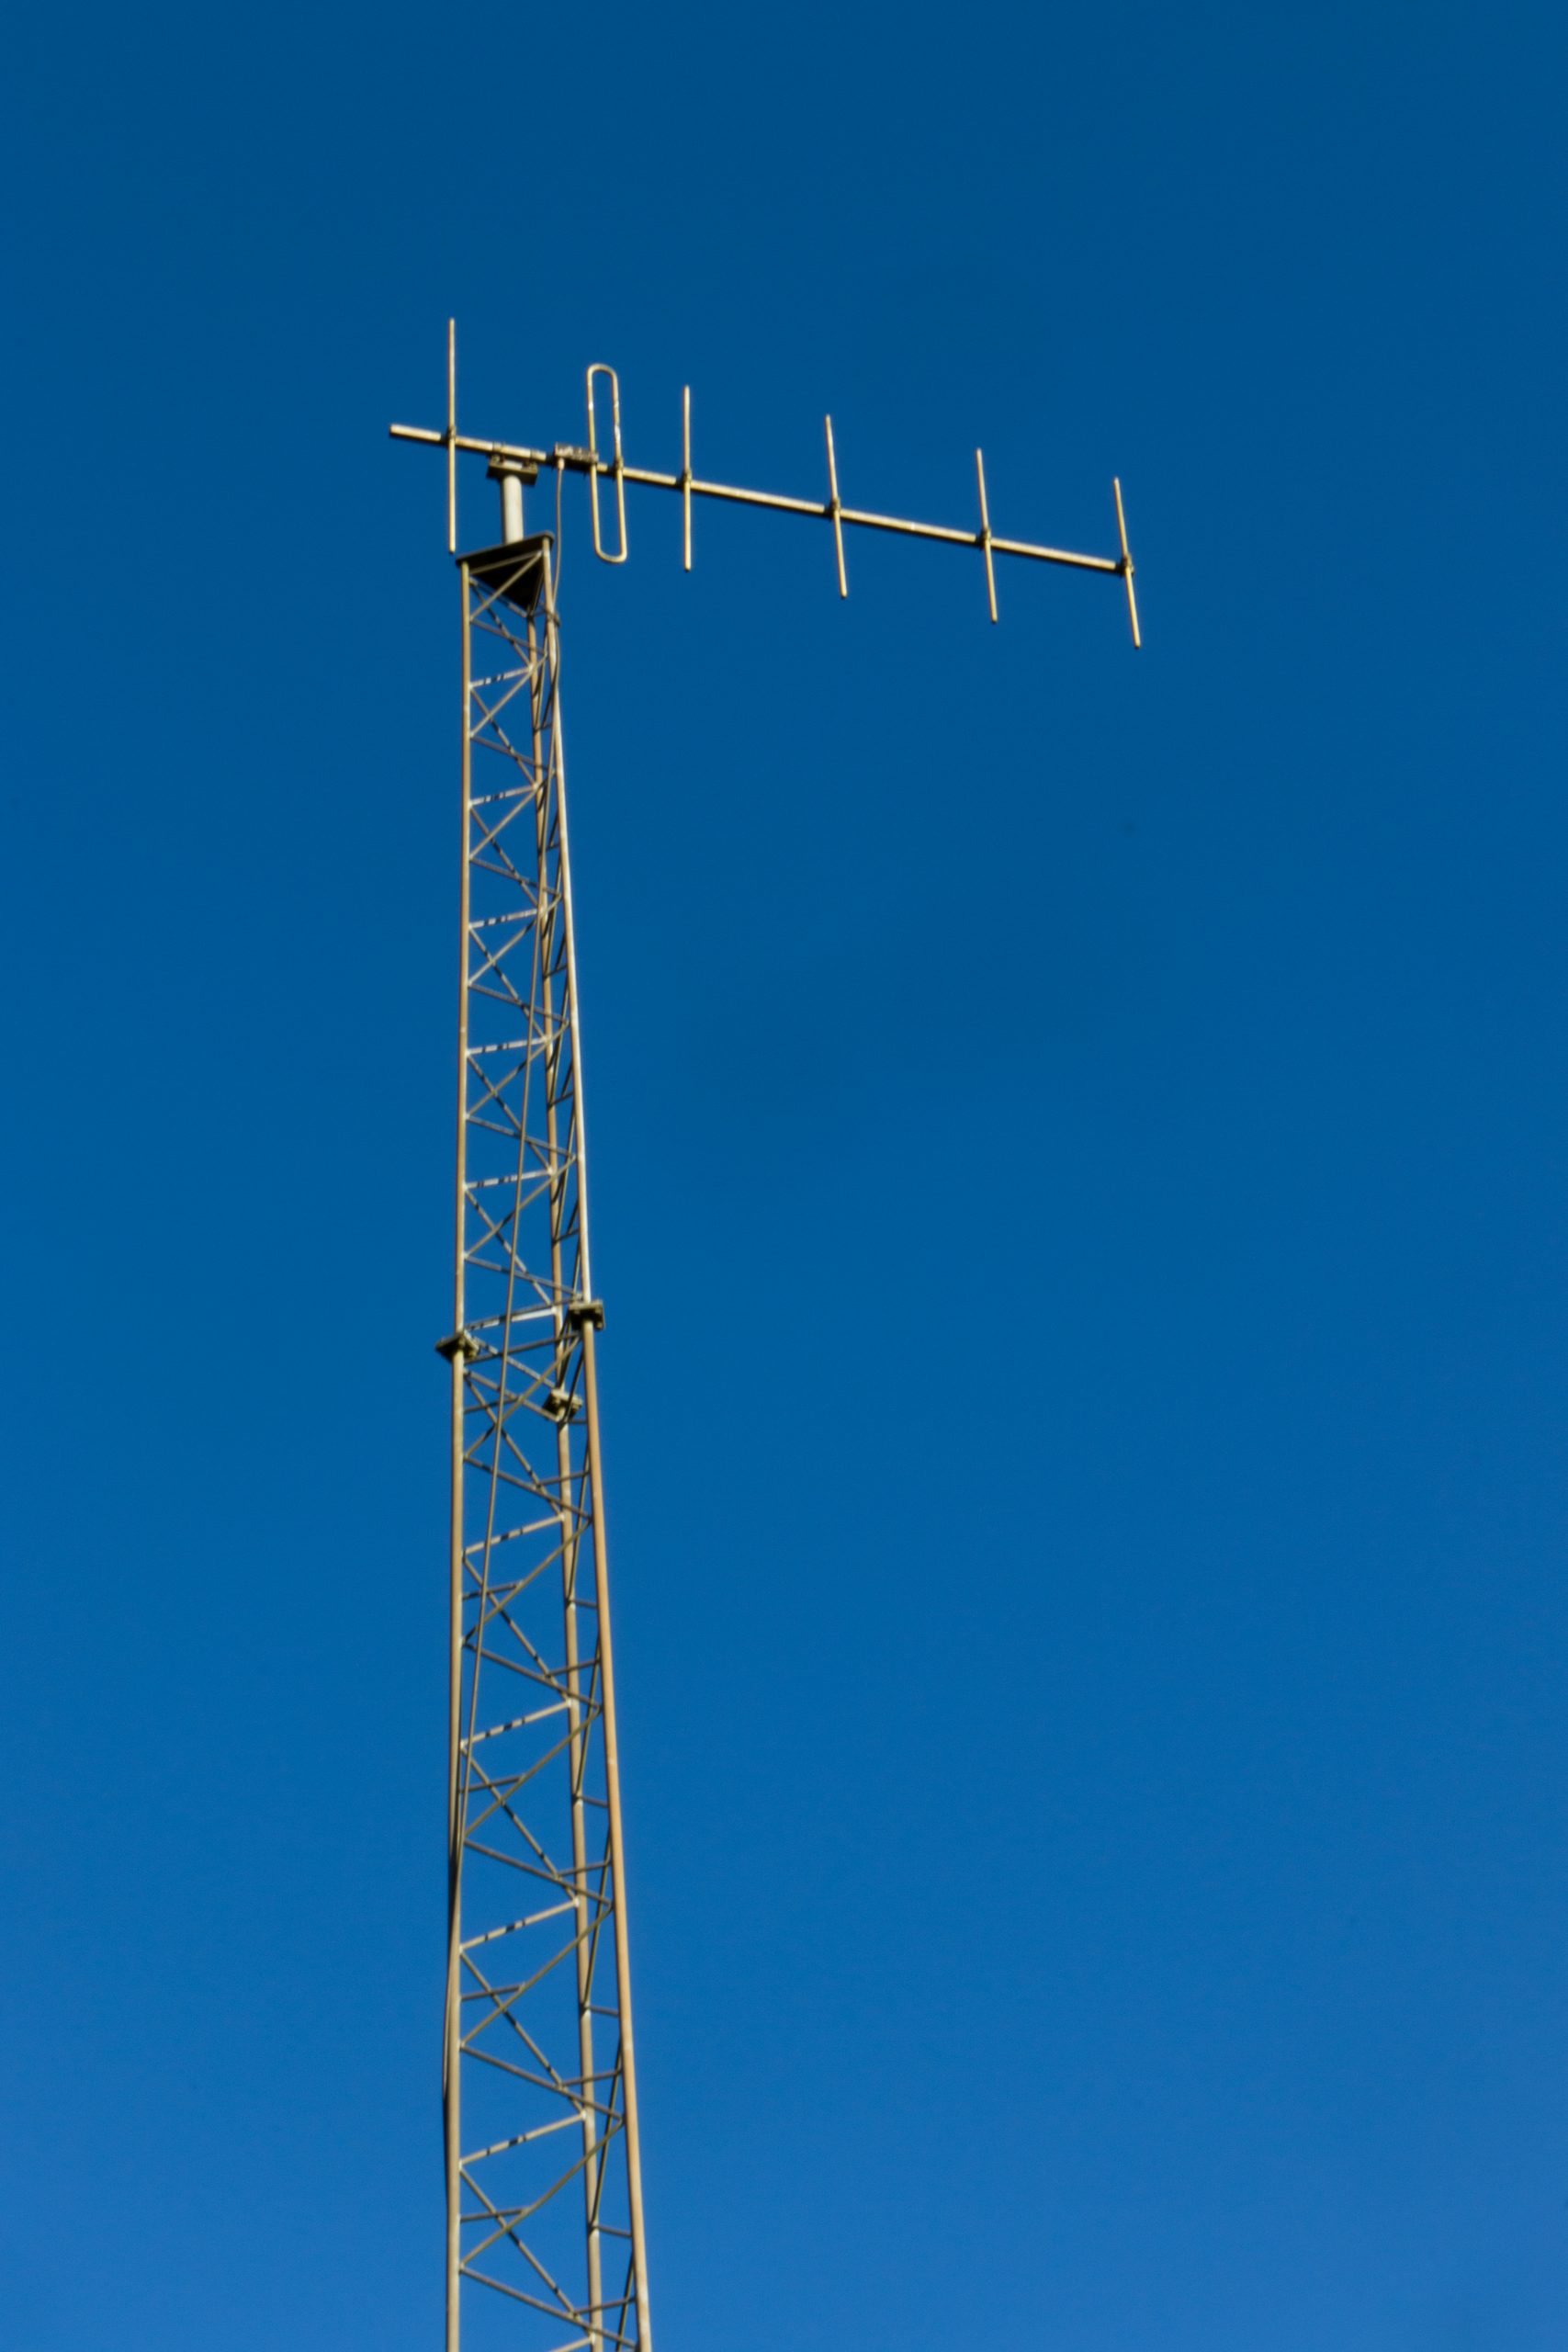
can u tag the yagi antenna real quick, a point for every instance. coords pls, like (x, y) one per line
(515, 464)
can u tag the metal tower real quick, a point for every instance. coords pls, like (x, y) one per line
(544, 2181)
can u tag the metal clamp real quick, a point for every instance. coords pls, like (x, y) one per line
(459, 1343)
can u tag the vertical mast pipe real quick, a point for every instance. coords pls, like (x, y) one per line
(452, 446)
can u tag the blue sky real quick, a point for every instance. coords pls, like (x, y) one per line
(1078, 1153)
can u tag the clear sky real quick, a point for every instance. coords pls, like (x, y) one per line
(1079, 1149)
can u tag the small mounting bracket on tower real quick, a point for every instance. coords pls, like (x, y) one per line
(514, 466)
(459, 1345)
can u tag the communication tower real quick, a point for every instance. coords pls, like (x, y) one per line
(543, 2160)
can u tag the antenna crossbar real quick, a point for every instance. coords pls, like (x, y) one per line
(577, 461)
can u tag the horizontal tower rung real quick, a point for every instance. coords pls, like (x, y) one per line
(518, 1723)
(522, 2139)
(515, 1926)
